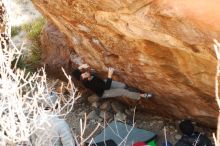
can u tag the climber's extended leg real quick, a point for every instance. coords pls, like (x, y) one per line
(117, 85)
(125, 93)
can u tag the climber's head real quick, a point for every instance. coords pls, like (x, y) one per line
(85, 75)
(186, 127)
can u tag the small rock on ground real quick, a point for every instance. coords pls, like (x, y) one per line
(120, 117)
(92, 115)
(106, 115)
(117, 107)
(93, 98)
(106, 106)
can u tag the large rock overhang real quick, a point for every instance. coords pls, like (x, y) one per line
(164, 47)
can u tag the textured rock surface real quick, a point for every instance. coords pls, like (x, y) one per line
(56, 52)
(162, 46)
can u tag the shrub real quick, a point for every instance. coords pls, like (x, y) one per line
(34, 29)
(34, 58)
(15, 30)
(23, 96)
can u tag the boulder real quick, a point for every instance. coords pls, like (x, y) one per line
(56, 50)
(162, 46)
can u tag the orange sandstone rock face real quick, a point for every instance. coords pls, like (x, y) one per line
(160, 46)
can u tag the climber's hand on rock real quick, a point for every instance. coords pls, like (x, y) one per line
(110, 72)
(83, 66)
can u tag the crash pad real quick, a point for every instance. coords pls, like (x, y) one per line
(123, 134)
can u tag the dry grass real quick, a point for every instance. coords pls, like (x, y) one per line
(34, 29)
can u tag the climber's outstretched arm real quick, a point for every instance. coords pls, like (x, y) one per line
(109, 80)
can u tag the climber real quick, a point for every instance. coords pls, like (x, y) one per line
(190, 137)
(52, 129)
(107, 88)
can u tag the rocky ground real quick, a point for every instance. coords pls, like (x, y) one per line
(114, 110)
(101, 111)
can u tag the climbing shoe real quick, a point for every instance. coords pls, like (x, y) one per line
(147, 95)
